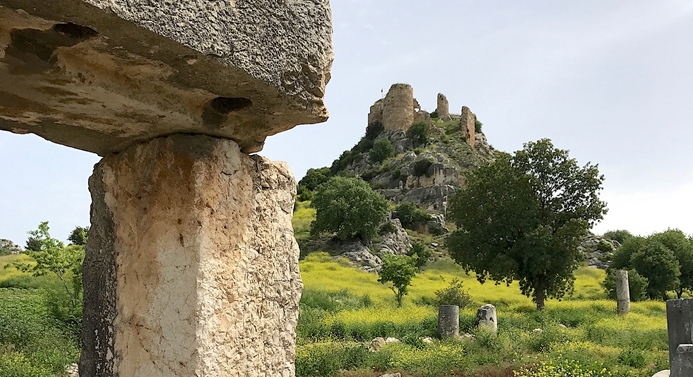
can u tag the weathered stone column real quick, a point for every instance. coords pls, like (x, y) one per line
(680, 328)
(468, 125)
(486, 316)
(191, 266)
(197, 267)
(398, 107)
(448, 321)
(622, 292)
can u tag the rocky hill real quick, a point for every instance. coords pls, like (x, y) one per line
(9, 247)
(409, 154)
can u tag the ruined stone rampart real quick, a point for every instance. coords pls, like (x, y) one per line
(468, 125)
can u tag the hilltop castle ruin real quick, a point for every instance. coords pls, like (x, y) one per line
(399, 110)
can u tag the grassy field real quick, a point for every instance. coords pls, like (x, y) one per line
(33, 343)
(343, 309)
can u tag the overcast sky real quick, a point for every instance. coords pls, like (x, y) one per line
(611, 81)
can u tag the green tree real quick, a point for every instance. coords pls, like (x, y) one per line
(54, 257)
(658, 264)
(349, 208)
(398, 270)
(382, 149)
(522, 218)
(315, 177)
(682, 247)
(453, 294)
(78, 236)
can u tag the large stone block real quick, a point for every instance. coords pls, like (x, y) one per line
(191, 265)
(102, 75)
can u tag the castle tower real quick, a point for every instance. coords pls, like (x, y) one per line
(443, 107)
(398, 109)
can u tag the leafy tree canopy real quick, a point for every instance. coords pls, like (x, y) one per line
(315, 177)
(349, 208)
(398, 270)
(523, 216)
(382, 149)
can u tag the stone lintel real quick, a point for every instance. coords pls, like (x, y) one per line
(102, 75)
(191, 265)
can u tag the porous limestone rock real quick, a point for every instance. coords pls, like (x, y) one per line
(361, 256)
(468, 125)
(191, 266)
(398, 109)
(9, 246)
(397, 242)
(376, 344)
(102, 75)
(442, 106)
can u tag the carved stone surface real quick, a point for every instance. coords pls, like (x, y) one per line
(191, 265)
(486, 316)
(102, 75)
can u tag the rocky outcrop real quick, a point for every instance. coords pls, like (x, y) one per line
(9, 247)
(398, 107)
(598, 251)
(361, 256)
(396, 242)
(191, 265)
(102, 75)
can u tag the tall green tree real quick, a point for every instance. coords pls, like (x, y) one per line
(398, 270)
(349, 208)
(523, 216)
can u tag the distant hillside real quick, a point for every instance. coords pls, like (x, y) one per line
(408, 154)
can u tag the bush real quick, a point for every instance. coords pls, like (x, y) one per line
(418, 133)
(477, 126)
(314, 178)
(636, 282)
(382, 149)
(617, 235)
(373, 130)
(398, 270)
(409, 213)
(454, 294)
(421, 252)
(387, 227)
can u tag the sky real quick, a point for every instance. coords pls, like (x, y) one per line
(610, 81)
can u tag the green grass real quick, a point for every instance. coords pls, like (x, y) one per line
(301, 220)
(582, 332)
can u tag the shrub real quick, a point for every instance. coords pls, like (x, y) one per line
(314, 178)
(408, 213)
(387, 227)
(373, 130)
(453, 294)
(382, 149)
(636, 282)
(477, 126)
(398, 270)
(418, 133)
(421, 252)
(617, 235)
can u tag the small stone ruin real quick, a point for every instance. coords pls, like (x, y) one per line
(191, 267)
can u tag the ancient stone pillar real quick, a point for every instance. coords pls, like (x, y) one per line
(448, 321)
(468, 125)
(622, 292)
(192, 264)
(486, 316)
(442, 107)
(680, 328)
(398, 107)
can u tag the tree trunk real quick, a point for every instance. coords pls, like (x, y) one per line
(679, 293)
(664, 296)
(539, 297)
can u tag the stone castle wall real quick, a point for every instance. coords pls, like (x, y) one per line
(442, 106)
(468, 125)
